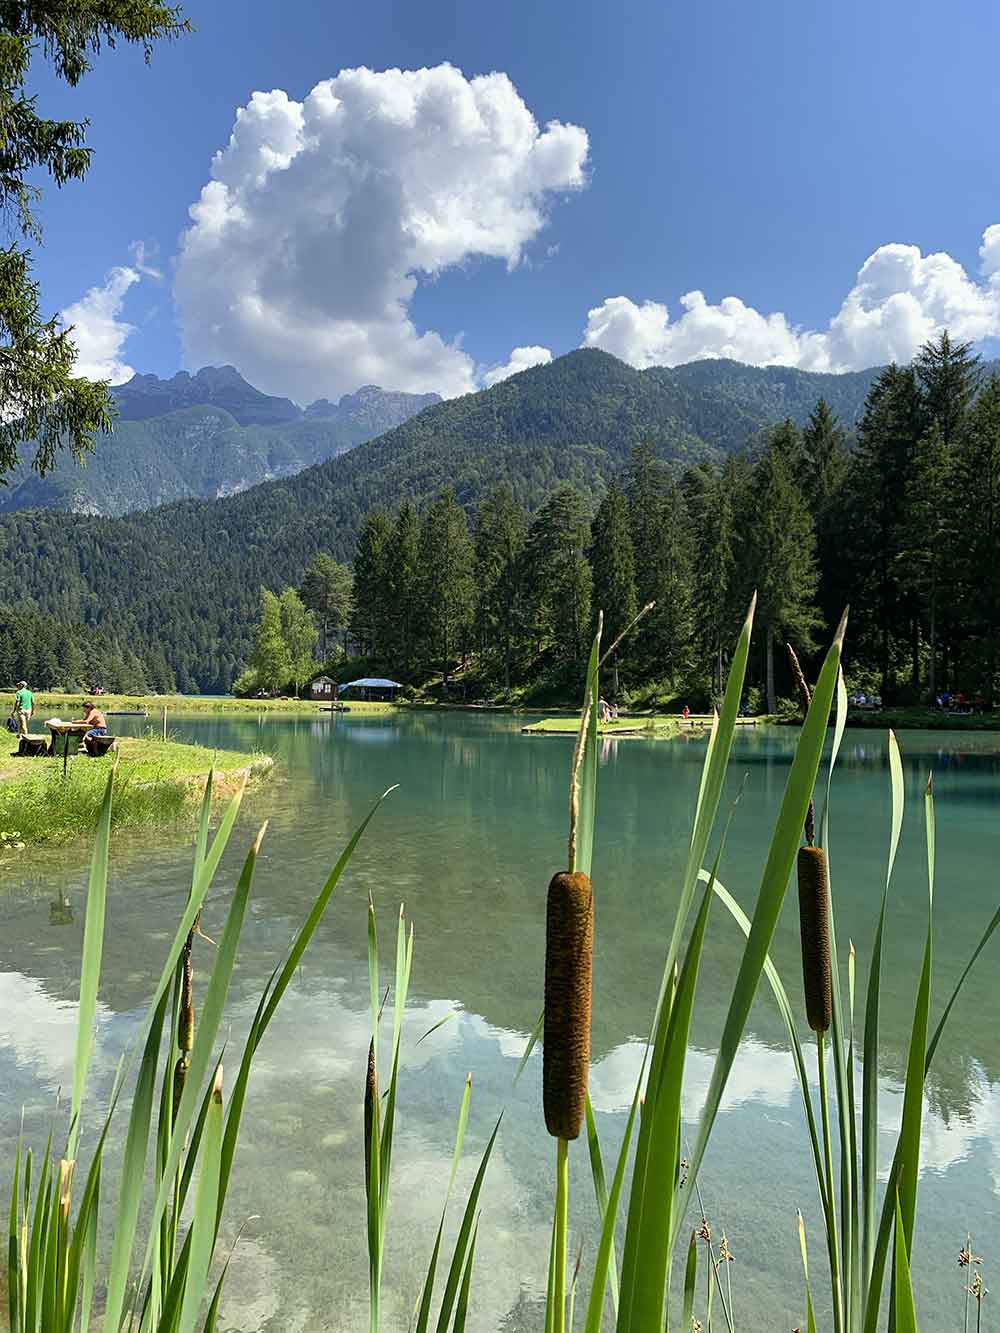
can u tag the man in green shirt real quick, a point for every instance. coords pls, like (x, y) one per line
(24, 706)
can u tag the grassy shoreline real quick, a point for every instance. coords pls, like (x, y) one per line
(155, 782)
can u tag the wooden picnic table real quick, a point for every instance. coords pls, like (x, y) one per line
(66, 730)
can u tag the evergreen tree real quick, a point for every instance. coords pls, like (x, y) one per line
(925, 540)
(781, 550)
(298, 629)
(558, 576)
(976, 493)
(370, 615)
(403, 587)
(613, 562)
(948, 376)
(826, 458)
(501, 528)
(42, 400)
(326, 589)
(662, 542)
(874, 514)
(447, 586)
(270, 663)
(718, 597)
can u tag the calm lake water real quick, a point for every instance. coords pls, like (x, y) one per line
(468, 842)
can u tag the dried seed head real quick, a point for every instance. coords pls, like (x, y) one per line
(185, 1020)
(371, 1111)
(569, 943)
(814, 924)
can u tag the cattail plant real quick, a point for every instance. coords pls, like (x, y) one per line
(185, 1023)
(569, 942)
(814, 925)
(371, 1114)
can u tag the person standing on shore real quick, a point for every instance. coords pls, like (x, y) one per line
(24, 706)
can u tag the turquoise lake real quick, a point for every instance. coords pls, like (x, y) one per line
(468, 842)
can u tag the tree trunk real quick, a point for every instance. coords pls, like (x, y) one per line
(932, 666)
(772, 704)
(614, 682)
(915, 653)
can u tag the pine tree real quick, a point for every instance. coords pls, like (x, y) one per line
(298, 629)
(446, 583)
(270, 663)
(369, 618)
(663, 544)
(926, 537)
(948, 376)
(781, 550)
(976, 498)
(558, 576)
(717, 594)
(327, 589)
(825, 456)
(612, 560)
(501, 529)
(403, 587)
(873, 510)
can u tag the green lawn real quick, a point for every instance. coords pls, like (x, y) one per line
(156, 781)
(69, 705)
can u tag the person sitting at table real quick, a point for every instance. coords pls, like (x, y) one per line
(93, 719)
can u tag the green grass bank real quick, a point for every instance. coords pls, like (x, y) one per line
(155, 782)
(66, 704)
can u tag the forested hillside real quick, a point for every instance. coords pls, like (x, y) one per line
(205, 435)
(188, 576)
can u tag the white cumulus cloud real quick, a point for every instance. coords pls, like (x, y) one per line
(521, 358)
(900, 298)
(306, 246)
(98, 331)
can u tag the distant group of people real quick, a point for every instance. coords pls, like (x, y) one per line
(606, 712)
(862, 700)
(958, 703)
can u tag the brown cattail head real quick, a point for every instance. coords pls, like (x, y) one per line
(814, 923)
(180, 1077)
(569, 944)
(371, 1113)
(185, 1021)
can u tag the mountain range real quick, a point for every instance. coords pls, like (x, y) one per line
(204, 436)
(187, 576)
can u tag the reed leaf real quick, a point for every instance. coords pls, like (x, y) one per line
(464, 1233)
(90, 969)
(810, 1314)
(585, 776)
(869, 1083)
(603, 1263)
(462, 1308)
(601, 1193)
(690, 1282)
(427, 1292)
(902, 1291)
(205, 1210)
(781, 855)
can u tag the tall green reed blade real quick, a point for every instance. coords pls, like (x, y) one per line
(427, 1292)
(902, 1291)
(810, 1314)
(90, 972)
(654, 1201)
(900, 1200)
(710, 792)
(464, 1233)
(869, 1085)
(462, 1308)
(203, 1221)
(781, 857)
(603, 1263)
(601, 1192)
(201, 1053)
(690, 1282)
(791, 1026)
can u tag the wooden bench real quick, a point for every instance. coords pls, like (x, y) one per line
(96, 746)
(33, 747)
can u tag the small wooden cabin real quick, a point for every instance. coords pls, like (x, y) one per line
(323, 688)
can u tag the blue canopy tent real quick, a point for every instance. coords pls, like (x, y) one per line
(373, 688)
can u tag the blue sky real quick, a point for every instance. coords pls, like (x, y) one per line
(758, 152)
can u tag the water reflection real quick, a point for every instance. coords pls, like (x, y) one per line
(469, 841)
